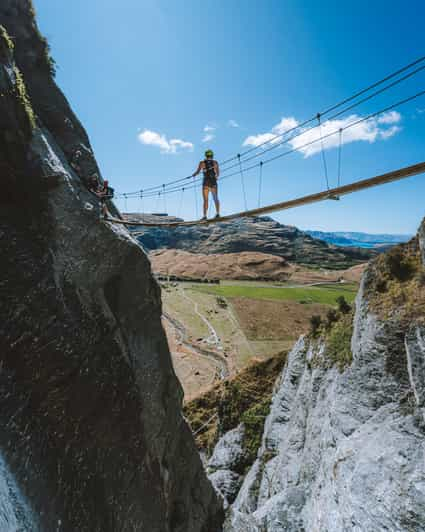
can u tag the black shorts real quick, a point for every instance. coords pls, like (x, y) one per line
(209, 182)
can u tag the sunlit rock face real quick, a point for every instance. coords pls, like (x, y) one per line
(15, 514)
(344, 450)
(91, 426)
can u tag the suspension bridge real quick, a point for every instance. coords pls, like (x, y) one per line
(241, 163)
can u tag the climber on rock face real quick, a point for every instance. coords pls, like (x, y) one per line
(211, 172)
(104, 192)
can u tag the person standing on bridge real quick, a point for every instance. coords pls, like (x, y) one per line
(211, 172)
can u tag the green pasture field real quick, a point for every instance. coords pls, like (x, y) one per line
(325, 294)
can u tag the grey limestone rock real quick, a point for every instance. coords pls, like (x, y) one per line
(225, 467)
(343, 451)
(229, 452)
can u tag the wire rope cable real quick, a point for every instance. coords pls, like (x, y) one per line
(306, 122)
(196, 198)
(322, 149)
(179, 211)
(243, 184)
(339, 156)
(260, 182)
(304, 131)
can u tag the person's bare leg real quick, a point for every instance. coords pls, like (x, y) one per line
(205, 192)
(215, 198)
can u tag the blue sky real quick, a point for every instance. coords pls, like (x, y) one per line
(147, 78)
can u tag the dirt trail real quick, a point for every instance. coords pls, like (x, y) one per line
(216, 358)
(213, 339)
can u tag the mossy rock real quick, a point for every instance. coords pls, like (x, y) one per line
(22, 95)
(338, 343)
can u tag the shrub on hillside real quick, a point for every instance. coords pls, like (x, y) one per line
(315, 324)
(343, 306)
(331, 317)
(399, 264)
(338, 345)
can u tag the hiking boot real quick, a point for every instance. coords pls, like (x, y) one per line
(203, 219)
(218, 215)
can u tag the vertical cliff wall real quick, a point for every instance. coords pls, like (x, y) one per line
(90, 415)
(343, 447)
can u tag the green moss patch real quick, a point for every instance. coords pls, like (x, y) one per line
(6, 38)
(22, 95)
(254, 419)
(338, 343)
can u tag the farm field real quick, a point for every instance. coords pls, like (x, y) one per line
(325, 294)
(215, 331)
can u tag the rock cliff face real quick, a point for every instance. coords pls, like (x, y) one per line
(256, 234)
(15, 514)
(343, 449)
(91, 426)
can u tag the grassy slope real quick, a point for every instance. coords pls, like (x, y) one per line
(245, 398)
(326, 294)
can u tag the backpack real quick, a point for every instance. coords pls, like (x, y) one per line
(209, 171)
(109, 192)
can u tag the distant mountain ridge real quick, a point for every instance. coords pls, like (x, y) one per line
(358, 239)
(251, 234)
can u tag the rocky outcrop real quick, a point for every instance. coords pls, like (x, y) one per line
(256, 234)
(89, 403)
(227, 463)
(343, 448)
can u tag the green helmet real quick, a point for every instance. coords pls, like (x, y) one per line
(209, 153)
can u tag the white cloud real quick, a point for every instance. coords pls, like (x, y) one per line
(391, 117)
(232, 123)
(257, 140)
(151, 138)
(285, 125)
(279, 129)
(367, 131)
(390, 132)
(208, 137)
(210, 127)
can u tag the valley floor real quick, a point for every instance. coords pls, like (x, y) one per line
(214, 331)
